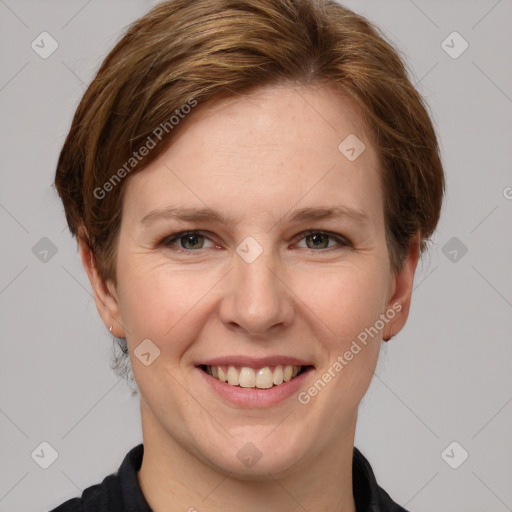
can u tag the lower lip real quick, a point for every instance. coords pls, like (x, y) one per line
(254, 397)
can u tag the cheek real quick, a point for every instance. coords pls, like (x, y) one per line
(347, 304)
(160, 301)
(346, 298)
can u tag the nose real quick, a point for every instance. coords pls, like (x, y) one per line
(257, 300)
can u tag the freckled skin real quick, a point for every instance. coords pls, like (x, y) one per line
(254, 159)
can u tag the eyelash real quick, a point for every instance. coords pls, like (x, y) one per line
(170, 239)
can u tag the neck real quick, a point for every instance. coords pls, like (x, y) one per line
(171, 477)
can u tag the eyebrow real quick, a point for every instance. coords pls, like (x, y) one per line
(301, 215)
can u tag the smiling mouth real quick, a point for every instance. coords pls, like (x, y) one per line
(262, 378)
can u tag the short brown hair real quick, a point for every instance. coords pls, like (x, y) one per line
(185, 51)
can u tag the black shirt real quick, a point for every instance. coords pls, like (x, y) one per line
(121, 492)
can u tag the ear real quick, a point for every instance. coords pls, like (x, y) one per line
(401, 291)
(105, 294)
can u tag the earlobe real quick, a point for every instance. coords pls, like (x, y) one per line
(399, 303)
(105, 295)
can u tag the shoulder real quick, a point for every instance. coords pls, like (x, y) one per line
(104, 496)
(111, 494)
(368, 495)
(386, 504)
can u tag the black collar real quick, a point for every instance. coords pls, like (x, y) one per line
(368, 496)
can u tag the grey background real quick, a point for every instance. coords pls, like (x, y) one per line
(446, 377)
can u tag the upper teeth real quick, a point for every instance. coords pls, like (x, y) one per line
(247, 377)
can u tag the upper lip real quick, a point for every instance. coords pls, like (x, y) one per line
(254, 362)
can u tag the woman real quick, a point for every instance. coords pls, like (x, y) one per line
(251, 184)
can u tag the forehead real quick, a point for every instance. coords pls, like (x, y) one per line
(266, 151)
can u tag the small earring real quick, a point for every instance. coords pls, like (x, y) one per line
(121, 341)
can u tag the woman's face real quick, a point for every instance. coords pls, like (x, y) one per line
(274, 284)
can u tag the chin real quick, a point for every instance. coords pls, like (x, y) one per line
(258, 459)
